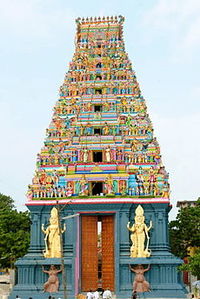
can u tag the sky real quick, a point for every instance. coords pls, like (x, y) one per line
(162, 38)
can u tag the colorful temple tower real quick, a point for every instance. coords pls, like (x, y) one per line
(100, 162)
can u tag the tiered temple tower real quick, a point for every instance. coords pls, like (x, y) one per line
(100, 159)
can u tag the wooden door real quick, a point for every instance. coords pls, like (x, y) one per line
(89, 258)
(108, 252)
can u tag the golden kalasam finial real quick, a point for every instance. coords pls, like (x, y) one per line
(139, 235)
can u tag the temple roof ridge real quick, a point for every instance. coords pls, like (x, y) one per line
(97, 20)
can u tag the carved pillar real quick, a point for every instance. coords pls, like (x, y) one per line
(35, 233)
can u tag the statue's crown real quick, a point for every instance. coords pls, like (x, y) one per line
(139, 211)
(54, 213)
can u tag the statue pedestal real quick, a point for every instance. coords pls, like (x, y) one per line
(164, 279)
(31, 278)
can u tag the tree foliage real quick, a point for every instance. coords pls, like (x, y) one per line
(184, 232)
(193, 265)
(14, 232)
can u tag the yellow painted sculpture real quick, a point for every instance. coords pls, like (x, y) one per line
(139, 235)
(52, 236)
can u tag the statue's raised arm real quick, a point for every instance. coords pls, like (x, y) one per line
(131, 228)
(150, 225)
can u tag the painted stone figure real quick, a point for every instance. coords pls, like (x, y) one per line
(52, 284)
(140, 284)
(108, 154)
(52, 236)
(106, 129)
(109, 185)
(83, 186)
(69, 189)
(85, 155)
(139, 234)
(165, 191)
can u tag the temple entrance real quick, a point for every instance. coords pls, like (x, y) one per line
(97, 252)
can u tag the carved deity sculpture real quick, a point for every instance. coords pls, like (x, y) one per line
(85, 155)
(128, 120)
(52, 236)
(83, 186)
(140, 285)
(106, 129)
(165, 190)
(109, 184)
(69, 190)
(139, 234)
(108, 154)
(52, 284)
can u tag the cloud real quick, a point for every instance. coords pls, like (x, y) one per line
(35, 18)
(180, 152)
(192, 37)
(179, 20)
(166, 13)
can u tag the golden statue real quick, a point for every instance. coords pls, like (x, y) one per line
(52, 236)
(139, 232)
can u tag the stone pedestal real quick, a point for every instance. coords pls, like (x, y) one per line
(164, 279)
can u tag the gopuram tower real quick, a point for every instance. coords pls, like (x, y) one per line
(99, 198)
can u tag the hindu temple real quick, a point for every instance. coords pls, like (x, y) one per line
(99, 197)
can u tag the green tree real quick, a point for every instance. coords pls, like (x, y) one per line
(193, 265)
(14, 232)
(184, 232)
(6, 202)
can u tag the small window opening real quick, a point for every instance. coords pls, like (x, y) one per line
(97, 188)
(97, 156)
(99, 65)
(98, 91)
(98, 131)
(97, 108)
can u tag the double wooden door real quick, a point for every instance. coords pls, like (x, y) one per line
(97, 252)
